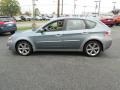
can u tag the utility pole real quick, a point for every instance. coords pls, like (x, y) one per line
(99, 7)
(114, 5)
(84, 7)
(74, 7)
(34, 23)
(58, 8)
(33, 3)
(62, 8)
(96, 6)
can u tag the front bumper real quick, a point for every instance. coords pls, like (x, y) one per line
(10, 45)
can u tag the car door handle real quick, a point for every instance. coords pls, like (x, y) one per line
(58, 35)
(84, 33)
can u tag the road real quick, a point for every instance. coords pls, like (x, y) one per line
(60, 70)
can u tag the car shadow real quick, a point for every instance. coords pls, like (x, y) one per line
(5, 34)
(103, 55)
(58, 53)
(53, 53)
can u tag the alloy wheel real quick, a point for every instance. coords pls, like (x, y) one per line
(92, 48)
(24, 48)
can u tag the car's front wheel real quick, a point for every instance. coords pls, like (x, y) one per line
(92, 48)
(24, 48)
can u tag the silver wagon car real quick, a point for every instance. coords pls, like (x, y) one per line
(64, 34)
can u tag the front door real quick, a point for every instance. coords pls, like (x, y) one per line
(51, 37)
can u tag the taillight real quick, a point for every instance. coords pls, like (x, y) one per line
(14, 22)
(1, 24)
(11, 22)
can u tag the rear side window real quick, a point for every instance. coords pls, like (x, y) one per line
(75, 25)
(90, 24)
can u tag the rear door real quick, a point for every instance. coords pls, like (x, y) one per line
(74, 33)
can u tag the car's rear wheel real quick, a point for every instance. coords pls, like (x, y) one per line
(92, 48)
(24, 48)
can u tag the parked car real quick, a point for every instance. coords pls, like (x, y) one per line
(17, 18)
(117, 20)
(38, 18)
(26, 18)
(64, 34)
(45, 17)
(108, 21)
(7, 24)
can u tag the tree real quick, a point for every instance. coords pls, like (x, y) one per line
(27, 13)
(116, 11)
(9, 7)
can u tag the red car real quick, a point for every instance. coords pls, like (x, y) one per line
(108, 21)
(7, 24)
(117, 20)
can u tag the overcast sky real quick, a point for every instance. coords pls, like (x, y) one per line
(49, 6)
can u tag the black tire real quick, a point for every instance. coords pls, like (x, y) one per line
(111, 25)
(117, 24)
(23, 51)
(96, 51)
(12, 32)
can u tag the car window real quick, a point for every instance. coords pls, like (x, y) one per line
(55, 26)
(6, 19)
(90, 24)
(75, 25)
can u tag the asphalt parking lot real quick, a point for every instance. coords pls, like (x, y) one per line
(60, 70)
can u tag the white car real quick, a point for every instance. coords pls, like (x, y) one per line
(17, 18)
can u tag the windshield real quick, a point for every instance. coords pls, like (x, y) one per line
(37, 29)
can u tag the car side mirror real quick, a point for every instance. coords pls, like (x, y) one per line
(42, 30)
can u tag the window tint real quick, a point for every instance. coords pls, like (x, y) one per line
(55, 26)
(90, 24)
(75, 25)
(6, 19)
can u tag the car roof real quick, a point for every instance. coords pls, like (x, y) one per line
(5, 17)
(85, 18)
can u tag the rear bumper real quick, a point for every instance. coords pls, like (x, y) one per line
(107, 43)
(2, 30)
